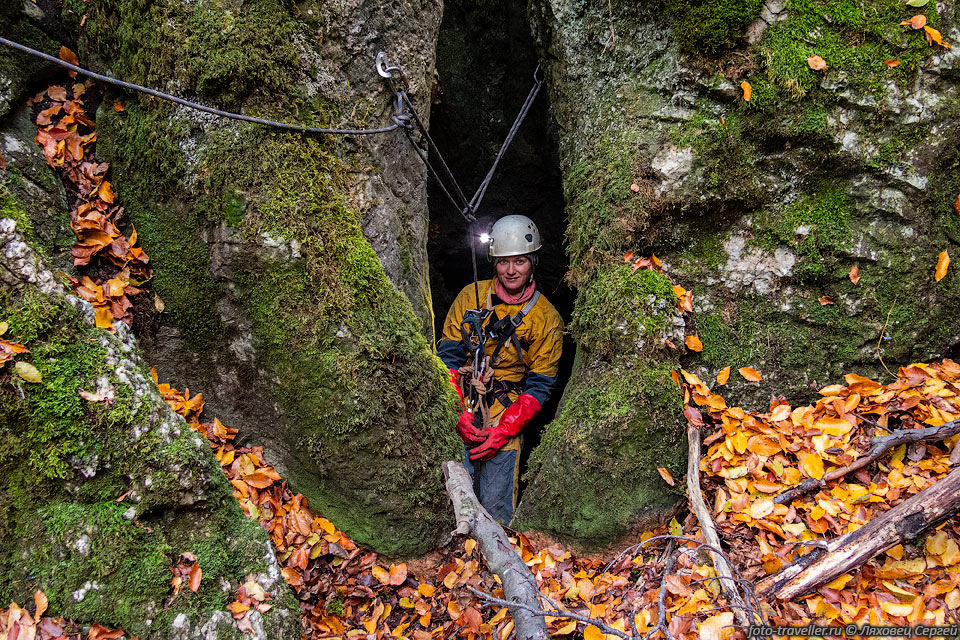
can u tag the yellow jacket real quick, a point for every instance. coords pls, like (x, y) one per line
(540, 335)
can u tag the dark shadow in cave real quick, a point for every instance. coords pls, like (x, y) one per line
(485, 64)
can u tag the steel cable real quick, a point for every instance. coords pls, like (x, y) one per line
(194, 105)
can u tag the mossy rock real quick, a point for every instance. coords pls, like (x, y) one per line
(594, 477)
(100, 497)
(759, 207)
(276, 306)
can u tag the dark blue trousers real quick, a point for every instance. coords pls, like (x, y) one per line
(493, 482)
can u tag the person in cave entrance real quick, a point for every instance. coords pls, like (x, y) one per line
(524, 340)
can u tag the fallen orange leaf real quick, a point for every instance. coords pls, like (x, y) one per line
(816, 63)
(41, 602)
(854, 274)
(825, 300)
(693, 343)
(933, 35)
(723, 376)
(917, 21)
(751, 374)
(892, 62)
(70, 58)
(713, 627)
(592, 633)
(56, 92)
(381, 574)
(195, 576)
(105, 192)
(398, 574)
(103, 318)
(666, 476)
(812, 465)
(942, 263)
(747, 90)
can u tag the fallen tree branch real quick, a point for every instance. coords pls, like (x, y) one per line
(878, 447)
(519, 585)
(928, 509)
(699, 507)
(662, 601)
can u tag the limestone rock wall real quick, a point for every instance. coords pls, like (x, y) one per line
(292, 268)
(762, 207)
(99, 497)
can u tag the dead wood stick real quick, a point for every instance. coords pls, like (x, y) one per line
(695, 496)
(929, 508)
(519, 585)
(662, 624)
(878, 447)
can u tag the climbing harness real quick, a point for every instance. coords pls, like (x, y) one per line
(476, 378)
(405, 118)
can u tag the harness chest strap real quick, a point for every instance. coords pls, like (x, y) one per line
(501, 389)
(514, 322)
(503, 331)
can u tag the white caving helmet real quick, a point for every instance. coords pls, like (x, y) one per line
(514, 235)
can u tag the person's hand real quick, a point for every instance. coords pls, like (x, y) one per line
(512, 422)
(469, 433)
(493, 443)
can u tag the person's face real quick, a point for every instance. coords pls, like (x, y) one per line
(514, 273)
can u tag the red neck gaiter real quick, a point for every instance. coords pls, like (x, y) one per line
(520, 298)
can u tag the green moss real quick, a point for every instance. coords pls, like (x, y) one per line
(10, 208)
(724, 153)
(51, 412)
(709, 249)
(605, 214)
(620, 307)
(141, 143)
(817, 228)
(890, 152)
(708, 27)
(238, 55)
(234, 206)
(65, 462)
(728, 344)
(853, 38)
(594, 473)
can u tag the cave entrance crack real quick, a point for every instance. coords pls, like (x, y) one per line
(485, 59)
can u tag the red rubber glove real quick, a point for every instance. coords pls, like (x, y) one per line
(469, 433)
(512, 422)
